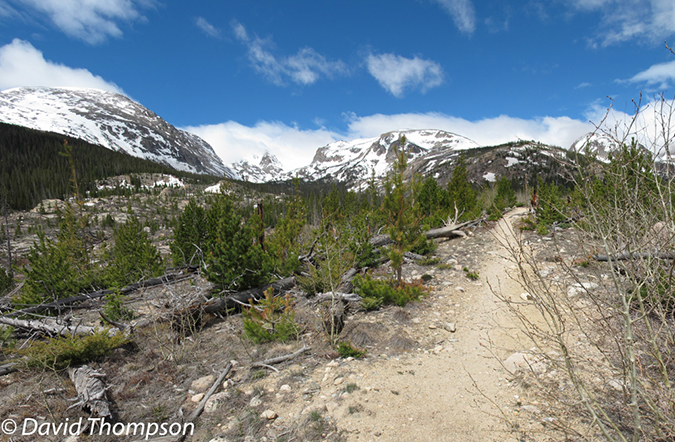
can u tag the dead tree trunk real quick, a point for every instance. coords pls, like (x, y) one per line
(90, 391)
(51, 327)
(67, 302)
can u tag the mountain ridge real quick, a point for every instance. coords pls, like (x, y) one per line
(111, 120)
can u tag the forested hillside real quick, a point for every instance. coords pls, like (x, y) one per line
(33, 168)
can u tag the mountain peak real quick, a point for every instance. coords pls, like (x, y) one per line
(111, 120)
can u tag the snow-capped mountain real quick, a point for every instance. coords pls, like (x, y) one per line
(259, 169)
(595, 143)
(354, 162)
(110, 120)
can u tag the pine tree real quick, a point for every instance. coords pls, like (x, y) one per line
(234, 258)
(189, 235)
(461, 193)
(133, 257)
(404, 225)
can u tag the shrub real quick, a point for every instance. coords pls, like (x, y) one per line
(272, 320)
(374, 291)
(346, 350)
(115, 309)
(6, 282)
(62, 352)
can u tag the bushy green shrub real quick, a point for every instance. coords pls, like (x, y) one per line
(346, 350)
(63, 352)
(6, 282)
(374, 291)
(273, 319)
(115, 310)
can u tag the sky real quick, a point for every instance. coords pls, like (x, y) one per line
(290, 76)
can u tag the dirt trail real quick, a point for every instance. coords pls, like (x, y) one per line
(445, 394)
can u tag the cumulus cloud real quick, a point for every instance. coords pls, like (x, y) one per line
(462, 13)
(396, 73)
(207, 27)
(304, 68)
(295, 147)
(624, 20)
(652, 124)
(90, 20)
(661, 75)
(23, 65)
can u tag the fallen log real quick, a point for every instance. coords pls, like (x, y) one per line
(90, 391)
(195, 414)
(66, 302)
(451, 231)
(234, 300)
(634, 256)
(52, 327)
(279, 359)
(7, 368)
(338, 296)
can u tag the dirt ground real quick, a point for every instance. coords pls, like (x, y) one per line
(435, 370)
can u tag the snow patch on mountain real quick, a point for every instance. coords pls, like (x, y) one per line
(110, 120)
(259, 169)
(356, 161)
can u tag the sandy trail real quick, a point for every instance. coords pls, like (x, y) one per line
(449, 393)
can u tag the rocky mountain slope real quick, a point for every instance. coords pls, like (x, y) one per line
(433, 153)
(259, 169)
(111, 120)
(354, 162)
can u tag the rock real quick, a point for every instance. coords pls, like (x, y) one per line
(520, 361)
(450, 326)
(333, 364)
(432, 327)
(527, 297)
(218, 438)
(459, 289)
(256, 401)
(338, 381)
(202, 383)
(269, 414)
(452, 262)
(285, 387)
(197, 397)
(216, 401)
(580, 288)
(332, 406)
(530, 409)
(615, 384)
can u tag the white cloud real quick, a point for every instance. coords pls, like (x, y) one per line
(90, 20)
(23, 65)
(624, 20)
(462, 13)
(305, 68)
(295, 147)
(652, 125)
(559, 131)
(660, 74)
(396, 73)
(207, 27)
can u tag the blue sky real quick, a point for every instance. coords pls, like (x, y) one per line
(291, 76)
